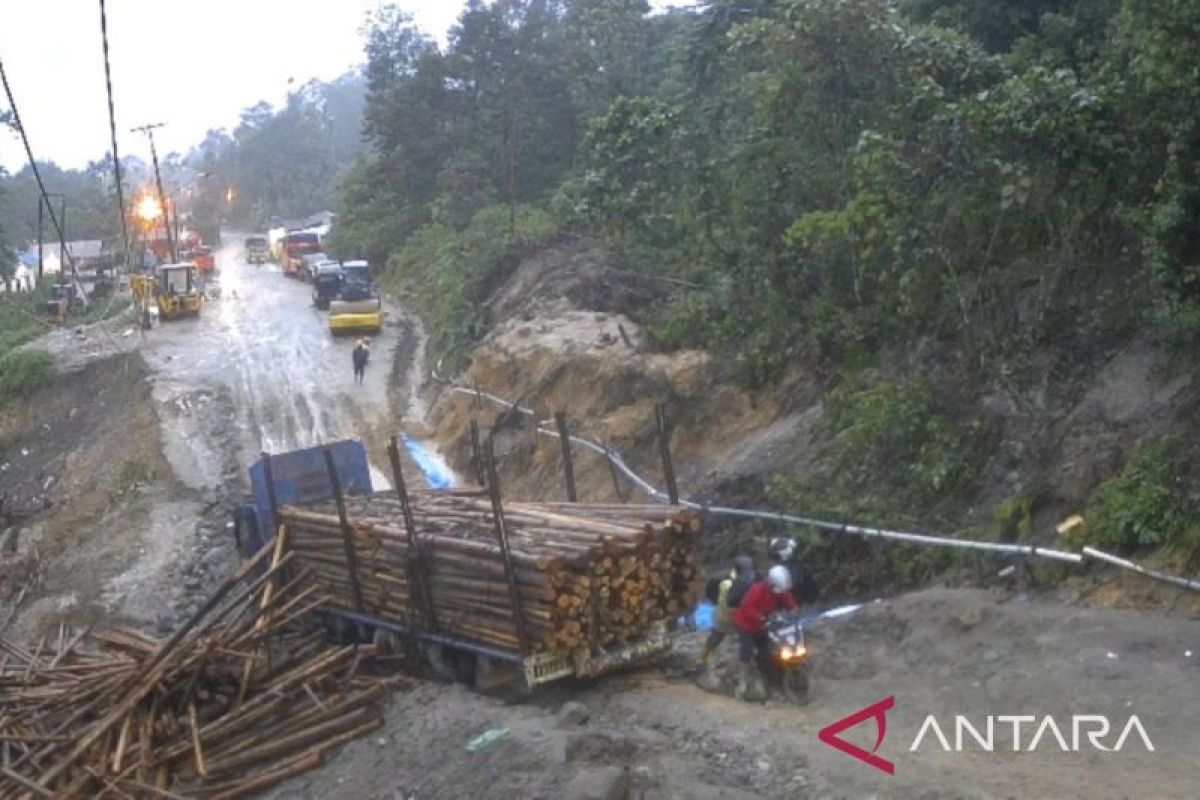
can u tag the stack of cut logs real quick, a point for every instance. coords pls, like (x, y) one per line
(588, 576)
(236, 701)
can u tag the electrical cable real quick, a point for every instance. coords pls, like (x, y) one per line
(37, 174)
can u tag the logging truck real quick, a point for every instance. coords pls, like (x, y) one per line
(483, 590)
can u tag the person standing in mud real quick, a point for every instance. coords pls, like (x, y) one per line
(361, 353)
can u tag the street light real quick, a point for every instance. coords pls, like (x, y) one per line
(149, 208)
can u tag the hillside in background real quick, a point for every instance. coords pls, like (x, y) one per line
(956, 242)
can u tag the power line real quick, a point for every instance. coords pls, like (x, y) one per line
(112, 129)
(37, 174)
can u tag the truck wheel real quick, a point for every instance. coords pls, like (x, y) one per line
(245, 531)
(389, 643)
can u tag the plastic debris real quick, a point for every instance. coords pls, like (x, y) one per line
(841, 611)
(1110, 655)
(486, 739)
(1187, 653)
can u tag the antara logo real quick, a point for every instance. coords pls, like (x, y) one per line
(1095, 726)
(1087, 731)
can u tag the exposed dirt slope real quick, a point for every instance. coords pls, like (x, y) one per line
(561, 340)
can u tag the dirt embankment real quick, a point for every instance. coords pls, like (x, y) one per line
(98, 528)
(562, 340)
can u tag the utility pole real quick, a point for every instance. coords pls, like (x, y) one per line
(162, 196)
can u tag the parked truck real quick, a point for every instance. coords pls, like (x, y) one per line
(302, 483)
(293, 247)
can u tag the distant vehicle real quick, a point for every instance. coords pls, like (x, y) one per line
(256, 249)
(358, 307)
(293, 247)
(309, 263)
(62, 298)
(326, 284)
(172, 290)
(202, 257)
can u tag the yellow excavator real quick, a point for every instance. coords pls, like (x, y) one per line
(171, 288)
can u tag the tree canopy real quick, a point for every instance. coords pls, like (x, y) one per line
(833, 174)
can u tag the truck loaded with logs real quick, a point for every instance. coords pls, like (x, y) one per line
(480, 588)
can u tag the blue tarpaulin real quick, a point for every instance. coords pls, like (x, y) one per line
(437, 473)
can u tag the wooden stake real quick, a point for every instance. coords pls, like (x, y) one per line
(564, 437)
(664, 446)
(347, 533)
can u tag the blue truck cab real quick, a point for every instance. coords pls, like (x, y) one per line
(299, 477)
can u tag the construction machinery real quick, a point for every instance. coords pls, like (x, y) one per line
(171, 291)
(358, 307)
(63, 298)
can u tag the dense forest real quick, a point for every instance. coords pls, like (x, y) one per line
(833, 175)
(283, 162)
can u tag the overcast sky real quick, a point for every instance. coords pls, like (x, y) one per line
(194, 64)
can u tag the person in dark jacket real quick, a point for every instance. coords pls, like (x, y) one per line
(764, 598)
(360, 356)
(804, 586)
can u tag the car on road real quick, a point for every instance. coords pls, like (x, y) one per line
(309, 263)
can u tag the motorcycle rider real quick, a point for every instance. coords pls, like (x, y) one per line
(726, 595)
(804, 587)
(764, 598)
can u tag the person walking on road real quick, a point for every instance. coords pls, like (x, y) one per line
(361, 353)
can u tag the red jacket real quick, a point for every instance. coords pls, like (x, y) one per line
(759, 603)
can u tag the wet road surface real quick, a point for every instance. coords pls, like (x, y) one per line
(267, 352)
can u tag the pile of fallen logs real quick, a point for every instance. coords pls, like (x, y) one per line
(237, 700)
(586, 576)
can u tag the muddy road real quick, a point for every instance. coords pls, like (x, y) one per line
(288, 382)
(257, 371)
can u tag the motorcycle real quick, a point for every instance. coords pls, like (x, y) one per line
(790, 657)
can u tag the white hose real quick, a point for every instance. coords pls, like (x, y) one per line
(1029, 551)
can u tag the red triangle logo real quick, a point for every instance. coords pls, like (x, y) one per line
(878, 712)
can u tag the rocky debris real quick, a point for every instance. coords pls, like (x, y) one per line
(599, 783)
(573, 714)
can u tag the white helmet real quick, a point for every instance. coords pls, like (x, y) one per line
(780, 579)
(782, 548)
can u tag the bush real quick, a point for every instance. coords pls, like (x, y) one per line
(900, 438)
(23, 372)
(22, 317)
(1145, 505)
(452, 273)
